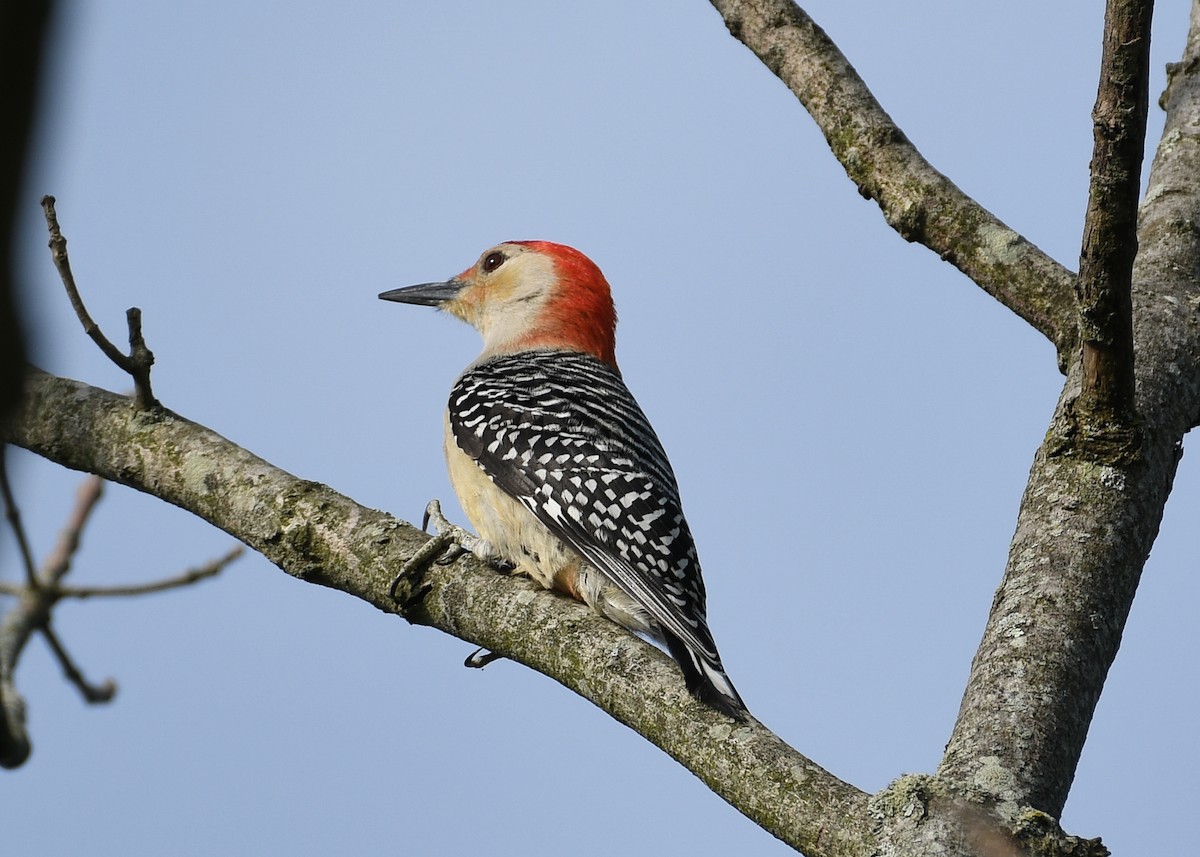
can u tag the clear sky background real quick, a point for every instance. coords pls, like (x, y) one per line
(851, 420)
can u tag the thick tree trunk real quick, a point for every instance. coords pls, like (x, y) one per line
(1092, 509)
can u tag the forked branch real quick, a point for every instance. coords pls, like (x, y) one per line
(32, 613)
(140, 359)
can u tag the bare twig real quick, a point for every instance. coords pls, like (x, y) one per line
(13, 514)
(32, 613)
(56, 565)
(193, 575)
(93, 693)
(58, 251)
(917, 201)
(140, 359)
(1110, 230)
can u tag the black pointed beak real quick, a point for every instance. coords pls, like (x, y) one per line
(426, 294)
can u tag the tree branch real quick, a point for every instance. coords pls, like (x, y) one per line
(1110, 229)
(315, 534)
(917, 201)
(1088, 520)
(1168, 391)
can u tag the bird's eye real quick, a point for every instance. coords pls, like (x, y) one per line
(493, 261)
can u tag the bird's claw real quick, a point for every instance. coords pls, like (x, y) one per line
(480, 658)
(461, 540)
(448, 544)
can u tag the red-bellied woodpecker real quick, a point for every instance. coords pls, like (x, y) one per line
(554, 462)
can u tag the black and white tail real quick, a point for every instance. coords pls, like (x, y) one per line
(707, 682)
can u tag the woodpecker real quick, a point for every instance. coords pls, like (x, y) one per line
(555, 464)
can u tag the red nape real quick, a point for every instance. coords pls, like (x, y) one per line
(581, 315)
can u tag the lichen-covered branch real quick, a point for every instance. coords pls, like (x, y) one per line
(1169, 253)
(1094, 499)
(318, 535)
(1083, 534)
(917, 201)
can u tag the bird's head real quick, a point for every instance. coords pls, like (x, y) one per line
(528, 294)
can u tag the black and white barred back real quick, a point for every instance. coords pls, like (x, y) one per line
(560, 432)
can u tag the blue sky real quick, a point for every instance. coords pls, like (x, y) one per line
(850, 419)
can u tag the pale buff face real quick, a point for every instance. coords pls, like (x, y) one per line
(504, 301)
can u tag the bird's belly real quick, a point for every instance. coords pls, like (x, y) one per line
(512, 532)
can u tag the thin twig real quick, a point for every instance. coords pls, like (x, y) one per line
(186, 578)
(56, 565)
(93, 693)
(32, 613)
(139, 360)
(1110, 242)
(13, 514)
(58, 251)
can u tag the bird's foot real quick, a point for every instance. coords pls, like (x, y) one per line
(461, 541)
(480, 658)
(449, 542)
